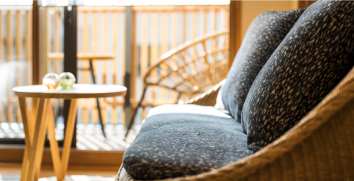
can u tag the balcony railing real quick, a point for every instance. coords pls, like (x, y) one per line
(101, 30)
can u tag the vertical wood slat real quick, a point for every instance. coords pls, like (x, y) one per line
(184, 38)
(114, 30)
(85, 46)
(85, 64)
(144, 48)
(94, 46)
(144, 44)
(9, 36)
(56, 40)
(205, 21)
(193, 50)
(9, 49)
(18, 38)
(215, 16)
(123, 55)
(226, 16)
(104, 44)
(48, 34)
(1, 37)
(104, 62)
(1, 55)
(194, 24)
(19, 55)
(174, 39)
(164, 49)
(56, 48)
(194, 35)
(215, 40)
(154, 46)
(114, 115)
(28, 47)
(134, 58)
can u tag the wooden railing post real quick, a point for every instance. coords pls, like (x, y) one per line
(129, 78)
(235, 29)
(35, 44)
(70, 57)
(304, 3)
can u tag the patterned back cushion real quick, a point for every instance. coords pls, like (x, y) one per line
(312, 59)
(263, 36)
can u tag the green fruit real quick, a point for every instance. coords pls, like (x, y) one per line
(67, 83)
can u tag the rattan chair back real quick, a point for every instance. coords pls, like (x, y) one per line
(193, 66)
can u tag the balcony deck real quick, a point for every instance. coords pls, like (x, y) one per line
(89, 137)
(106, 45)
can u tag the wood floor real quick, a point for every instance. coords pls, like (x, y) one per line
(89, 137)
(95, 157)
(12, 172)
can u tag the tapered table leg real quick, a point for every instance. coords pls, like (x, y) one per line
(36, 151)
(23, 109)
(54, 148)
(68, 135)
(42, 139)
(28, 128)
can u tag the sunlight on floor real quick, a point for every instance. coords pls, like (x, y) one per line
(67, 178)
(12, 172)
(78, 178)
(9, 178)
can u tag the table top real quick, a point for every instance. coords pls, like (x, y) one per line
(77, 91)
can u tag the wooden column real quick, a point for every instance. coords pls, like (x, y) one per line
(129, 76)
(35, 44)
(304, 3)
(235, 29)
(70, 51)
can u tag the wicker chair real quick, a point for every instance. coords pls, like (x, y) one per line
(190, 68)
(319, 147)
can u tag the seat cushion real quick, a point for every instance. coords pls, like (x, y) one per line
(263, 36)
(179, 144)
(312, 59)
(187, 108)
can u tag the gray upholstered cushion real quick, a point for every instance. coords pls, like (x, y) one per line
(312, 59)
(262, 38)
(187, 108)
(173, 145)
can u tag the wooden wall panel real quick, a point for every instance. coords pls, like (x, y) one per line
(235, 29)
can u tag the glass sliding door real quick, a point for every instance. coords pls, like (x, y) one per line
(15, 66)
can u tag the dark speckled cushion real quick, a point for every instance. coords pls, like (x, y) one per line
(173, 145)
(313, 58)
(262, 38)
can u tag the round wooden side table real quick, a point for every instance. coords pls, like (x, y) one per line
(41, 119)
